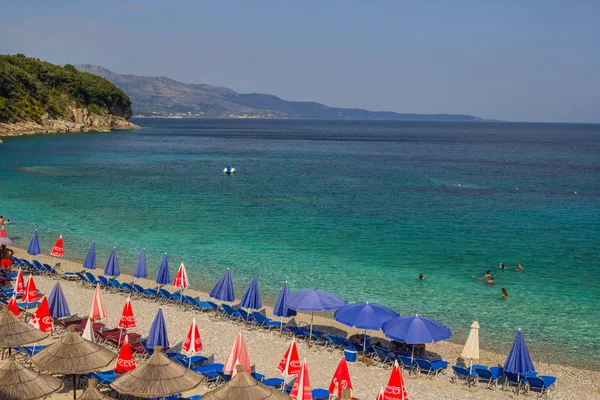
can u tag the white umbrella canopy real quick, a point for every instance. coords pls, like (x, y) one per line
(471, 349)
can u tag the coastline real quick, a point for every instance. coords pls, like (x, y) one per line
(265, 347)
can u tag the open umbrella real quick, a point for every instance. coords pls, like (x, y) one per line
(14, 332)
(34, 245)
(112, 265)
(314, 301)
(237, 355)
(290, 363)
(301, 389)
(367, 316)
(181, 281)
(31, 293)
(19, 283)
(158, 331)
(18, 382)
(519, 360)
(244, 386)
(90, 259)
(5, 241)
(41, 318)
(92, 392)
(98, 311)
(164, 275)
(73, 355)
(125, 361)
(57, 251)
(140, 270)
(395, 389)
(58, 303)
(341, 379)
(223, 289)
(471, 350)
(159, 376)
(13, 306)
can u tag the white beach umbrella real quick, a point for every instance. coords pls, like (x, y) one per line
(471, 349)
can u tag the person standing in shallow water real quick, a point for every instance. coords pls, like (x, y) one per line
(504, 294)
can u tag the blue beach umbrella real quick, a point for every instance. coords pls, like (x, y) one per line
(158, 332)
(251, 299)
(112, 265)
(164, 275)
(519, 360)
(281, 309)
(90, 259)
(140, 270)
(414, 329)
(57, 302)
(223, 289)
(34, 245)
(314, 301)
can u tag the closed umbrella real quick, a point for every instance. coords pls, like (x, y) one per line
(281, 309)
(193, 343)
(73, 355)
(519, 360)
(251, 299)
(158, 332)
(314, 301)
(13, 306)
(19, 283)
(140, 270)
(57, 250)
(158, 377)
(41, 318)
(302, 389)
(341, 380)
(471, 350)
(3, 232)
(112, 265)
(125, 361)
(18, 382)
(164, 275)
(31, 293)
(14, 332)
(367, 316)
(90, 259)
(237, 355)
(34, 245)
(244, 386)
(223, 289)
(58, 303)
(395, 389)
(181, 281)
(88, 332)
(98, 311)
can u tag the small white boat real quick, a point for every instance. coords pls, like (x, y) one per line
(229, 170)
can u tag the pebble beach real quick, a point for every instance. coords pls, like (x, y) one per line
(266, 348)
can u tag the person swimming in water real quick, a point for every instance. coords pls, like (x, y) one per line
(486, 276)
(491, 281)
(520, 267)
(501, 266)
(504, 294)
(422, 277)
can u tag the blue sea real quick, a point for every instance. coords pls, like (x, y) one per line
(356, 208)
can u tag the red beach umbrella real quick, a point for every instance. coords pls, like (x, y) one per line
(125, 361)
(58, 248)
(98, 311)
(181, 280)
(301, 389)
(290, 363)
(127, 320)
(20, 284)
(192, 343)
(31, 293)
(3, 233)
(41, 318)
(237, 355)
(13, 307)
(341, 379)
(395, 389)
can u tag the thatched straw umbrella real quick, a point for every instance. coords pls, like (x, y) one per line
(20, 383)
(92, 392)
(158, 377)
(73, 355)
(14, 332)
(244, 386)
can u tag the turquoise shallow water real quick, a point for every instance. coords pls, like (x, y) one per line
(356, 208)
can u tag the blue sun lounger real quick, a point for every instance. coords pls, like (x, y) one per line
(489, 375)
(265, 322)
(105, 378)
(460, 373)
(318, 394)
(542, 384)
(431, 368)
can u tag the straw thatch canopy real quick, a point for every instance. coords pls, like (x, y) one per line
(72, 354)
(20, 383)
(244, 387)
(159, 376)
(14, 332)
(92, 392)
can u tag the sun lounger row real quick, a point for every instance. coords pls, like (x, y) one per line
(496, 376)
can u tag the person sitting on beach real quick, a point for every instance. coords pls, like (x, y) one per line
(5, 255)
(491, 281)
(504, 294)
(422, 277)
(520, 267)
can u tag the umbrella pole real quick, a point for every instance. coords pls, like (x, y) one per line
(74, 388)
(365, 347)
(412, 359)
(119, 342)
(312, 315)
(180, 297)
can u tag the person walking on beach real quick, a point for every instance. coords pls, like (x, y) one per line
(5, 255)
(504, 294)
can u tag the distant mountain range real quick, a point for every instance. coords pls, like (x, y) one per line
(161, 96)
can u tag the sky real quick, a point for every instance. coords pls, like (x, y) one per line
(535, 60)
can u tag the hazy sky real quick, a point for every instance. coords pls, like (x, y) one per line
(521, 60)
